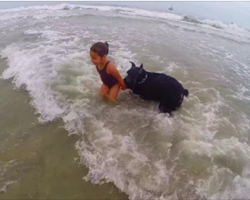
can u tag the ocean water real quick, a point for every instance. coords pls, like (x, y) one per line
(59, 140)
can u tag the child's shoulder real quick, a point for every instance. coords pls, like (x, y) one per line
(111, 67)
(111, 64)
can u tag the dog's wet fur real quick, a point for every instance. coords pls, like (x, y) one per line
(156, 87)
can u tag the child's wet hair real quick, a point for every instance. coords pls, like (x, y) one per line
(100, 48)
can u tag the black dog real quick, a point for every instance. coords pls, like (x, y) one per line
(156, 87)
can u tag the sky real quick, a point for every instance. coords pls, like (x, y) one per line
(236, 12)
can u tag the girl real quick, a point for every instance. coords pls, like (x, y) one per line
(112, 80)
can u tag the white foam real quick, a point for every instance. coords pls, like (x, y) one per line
(124, 10)
(60, 10)
(26, 69)
(243, 93)
(223, 183)
(126, 162)
(6, 185)
(230, 28)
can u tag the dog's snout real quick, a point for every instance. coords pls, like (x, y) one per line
(128, 81)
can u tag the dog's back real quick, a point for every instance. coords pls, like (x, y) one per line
(157, 87)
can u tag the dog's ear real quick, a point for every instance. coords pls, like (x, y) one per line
(141, 69)
(133, 64)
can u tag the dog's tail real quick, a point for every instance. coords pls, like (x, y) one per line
(186, 92)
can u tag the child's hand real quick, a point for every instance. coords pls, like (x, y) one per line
(123, 87)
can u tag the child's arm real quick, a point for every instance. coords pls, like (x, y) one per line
(115, 73)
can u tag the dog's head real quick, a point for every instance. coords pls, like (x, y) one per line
(134, 76)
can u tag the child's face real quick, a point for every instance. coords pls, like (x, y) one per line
(95, 58)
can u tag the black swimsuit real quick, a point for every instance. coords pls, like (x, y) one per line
(107, 79)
